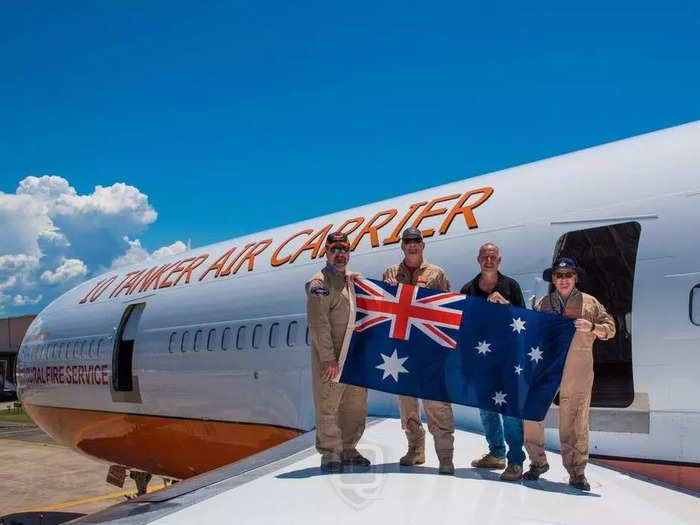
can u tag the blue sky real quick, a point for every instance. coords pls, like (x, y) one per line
(233, 117)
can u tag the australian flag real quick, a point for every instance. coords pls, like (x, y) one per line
(450, 347)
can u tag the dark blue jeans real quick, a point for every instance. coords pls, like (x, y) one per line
(495, 431)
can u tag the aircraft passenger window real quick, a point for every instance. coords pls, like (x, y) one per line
(185, 343)
(61, 348)
(171, 342)
(98, 350)
(695, 305)
(308, 342)
(257, 335)
(69, 347)
(292, 333)
(226, 339)
(274, 335)
(210, 339)
(241, 338)
(89, 352)
(198, 340)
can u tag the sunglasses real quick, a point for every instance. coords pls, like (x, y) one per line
(339, 249)
(412, 241)
(563, 275)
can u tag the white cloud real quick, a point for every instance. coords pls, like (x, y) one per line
(173, 249)
(51, 236)
(119, 199)
(23, 300)
(136, 253)
(23, 220)
(17, 270)
(69, 269)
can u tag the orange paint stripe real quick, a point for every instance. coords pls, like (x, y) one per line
(684, 476)
(170, 447)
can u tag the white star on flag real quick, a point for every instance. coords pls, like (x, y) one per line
(518, 369)
(499, 398)
(535, 354)
(392, 366)
(518, 325)
(483, 347)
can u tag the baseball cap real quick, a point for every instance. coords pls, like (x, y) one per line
(412, 233)
(337, 237)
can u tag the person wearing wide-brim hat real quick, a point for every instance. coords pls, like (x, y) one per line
(591, 322)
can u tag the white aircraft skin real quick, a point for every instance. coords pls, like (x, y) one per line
(653, 179)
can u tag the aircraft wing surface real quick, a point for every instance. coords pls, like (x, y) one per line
(285, 485)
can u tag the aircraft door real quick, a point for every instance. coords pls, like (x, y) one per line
(124, 382)
(608, 255)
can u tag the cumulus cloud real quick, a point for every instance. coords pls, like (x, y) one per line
(173, 249)
(69, 269)
(17, 270)
(136, 253)
(52, 236)
(23, 300)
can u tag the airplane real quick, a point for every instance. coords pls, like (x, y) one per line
(182, 365)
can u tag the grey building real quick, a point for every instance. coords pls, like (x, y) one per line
(12, 330)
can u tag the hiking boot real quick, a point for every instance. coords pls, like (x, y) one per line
(415, 454)
(580, 482)
(446, 465)
(535, 472)
(331, 463)
(353, 457)
(489, 461)
(512, 473)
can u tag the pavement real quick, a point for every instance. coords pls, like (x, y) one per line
(39, 477)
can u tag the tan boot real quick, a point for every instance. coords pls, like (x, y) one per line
(535, 471)
(580, 482)
(489, 461)
(353, 457)
(415, 454)
(331, 463)
(512, 473)
(446, 465)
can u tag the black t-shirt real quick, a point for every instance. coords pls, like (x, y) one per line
(507, 287)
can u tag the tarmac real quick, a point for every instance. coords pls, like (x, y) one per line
(45, 482)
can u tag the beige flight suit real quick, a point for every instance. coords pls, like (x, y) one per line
(438, 413)
(575, 387)
(340, 409)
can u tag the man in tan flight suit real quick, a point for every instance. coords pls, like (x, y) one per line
(415, 270)
(340, 409)
(591, 321)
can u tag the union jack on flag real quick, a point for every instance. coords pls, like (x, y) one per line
(405, 309)
(463, 350)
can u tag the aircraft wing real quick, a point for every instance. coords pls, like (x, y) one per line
(284, 485)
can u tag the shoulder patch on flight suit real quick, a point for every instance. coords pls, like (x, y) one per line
(319, 290)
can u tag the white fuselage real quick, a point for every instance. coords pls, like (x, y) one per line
(242, 359)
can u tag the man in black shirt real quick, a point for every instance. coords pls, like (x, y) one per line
(495, 287)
